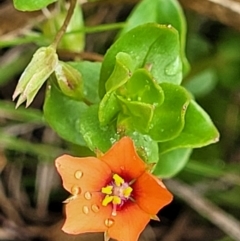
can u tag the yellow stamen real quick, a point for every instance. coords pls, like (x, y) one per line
(107, 200)
(116, 200)
(127, 192)
(107, 190)
(118, 180)
(116, 193)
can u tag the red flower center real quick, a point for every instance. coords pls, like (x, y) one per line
(117, 193)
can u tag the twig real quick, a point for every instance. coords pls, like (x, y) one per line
(231, 5)
(65, 23)
(83, 55)
(224, 11)
(206, 208)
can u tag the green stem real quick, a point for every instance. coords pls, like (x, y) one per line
(18, 144)
(63, 29)
(22, 40)
(40, 38)
(99, 28)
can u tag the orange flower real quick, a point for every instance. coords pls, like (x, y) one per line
(114, 193)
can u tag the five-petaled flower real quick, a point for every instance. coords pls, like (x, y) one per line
(113, 193)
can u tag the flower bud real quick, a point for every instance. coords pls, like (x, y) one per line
(69, 80)
(42, 65)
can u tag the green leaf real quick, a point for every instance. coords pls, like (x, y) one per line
(142, 87)
(168, 119)
(31, 5)
(121, 72)
(163, 58)
(170, 163)
(198, 131)
(96, 136)
(202, 83)
(151, 45)
(163, 12)
(136, 95)
(170, 12)
(140, 113)
(146, 147)
(138, 98)
(90, 74)
(108, 108)
(63, 114)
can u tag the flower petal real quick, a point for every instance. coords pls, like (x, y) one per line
(123, 159)
(128, 223)
(84, 215)
(150, 193)
(88, 174)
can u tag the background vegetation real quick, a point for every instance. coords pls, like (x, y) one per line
(207, 200)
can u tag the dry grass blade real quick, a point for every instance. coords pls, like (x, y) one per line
(9, 210)
(206, 208)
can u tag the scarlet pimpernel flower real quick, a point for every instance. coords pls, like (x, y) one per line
(114, 193)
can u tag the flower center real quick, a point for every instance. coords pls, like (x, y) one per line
(117, 192)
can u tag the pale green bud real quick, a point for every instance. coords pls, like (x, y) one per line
(42, 65)
(69, 80)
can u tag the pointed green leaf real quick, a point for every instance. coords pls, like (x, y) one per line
(198, 131)
(170, 163)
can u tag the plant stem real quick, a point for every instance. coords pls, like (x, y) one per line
(63, 29)
(100, 28)
(44, 41)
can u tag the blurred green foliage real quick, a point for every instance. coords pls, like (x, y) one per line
(213, 81)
